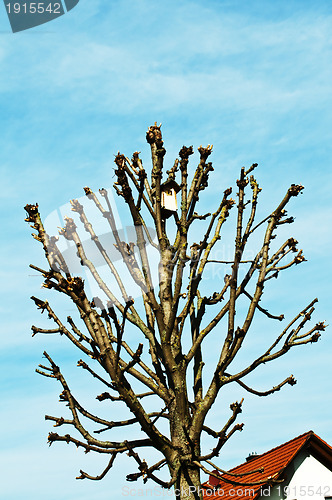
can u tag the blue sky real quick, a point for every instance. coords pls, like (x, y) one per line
(252, 78)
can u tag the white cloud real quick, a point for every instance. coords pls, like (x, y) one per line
(225, 61)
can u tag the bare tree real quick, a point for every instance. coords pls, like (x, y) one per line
(176, 314)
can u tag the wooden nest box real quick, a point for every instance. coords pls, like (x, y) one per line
(169, 203)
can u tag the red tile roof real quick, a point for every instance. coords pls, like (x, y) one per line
(273, 462)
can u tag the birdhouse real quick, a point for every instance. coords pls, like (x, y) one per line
(168, 197)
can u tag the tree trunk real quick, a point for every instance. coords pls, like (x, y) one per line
(188, 487)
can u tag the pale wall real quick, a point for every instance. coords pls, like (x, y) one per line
(308, 480)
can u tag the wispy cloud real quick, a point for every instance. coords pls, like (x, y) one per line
(225, 60)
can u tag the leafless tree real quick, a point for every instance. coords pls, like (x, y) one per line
(176, 312)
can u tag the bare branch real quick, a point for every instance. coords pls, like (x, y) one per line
(289, 380)
(84, 475)
(269, 480)
(265, 311)
(157, 359)
(234, 474)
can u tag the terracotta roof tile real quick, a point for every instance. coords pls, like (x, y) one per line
(273, 462)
